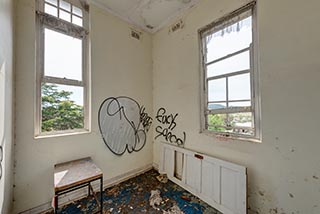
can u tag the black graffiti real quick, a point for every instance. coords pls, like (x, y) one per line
(145, 119)
(130, 113)
(168, 120)
(169, 136)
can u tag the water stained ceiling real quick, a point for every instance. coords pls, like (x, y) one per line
(149, 15)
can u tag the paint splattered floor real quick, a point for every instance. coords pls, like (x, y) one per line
(132, 196)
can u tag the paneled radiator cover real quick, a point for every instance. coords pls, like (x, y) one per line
(220, 183)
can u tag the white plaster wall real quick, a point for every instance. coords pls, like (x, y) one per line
(6, 103)
(284, 170)
(120, 66)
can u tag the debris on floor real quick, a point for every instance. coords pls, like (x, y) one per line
(173, 210)
(162, 178)
(114, 190)
(155, 199)
(133, 196)
(186, 198)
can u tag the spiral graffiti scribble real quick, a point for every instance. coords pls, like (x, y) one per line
(123, 124)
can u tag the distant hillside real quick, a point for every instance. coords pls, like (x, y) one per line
(215, 106)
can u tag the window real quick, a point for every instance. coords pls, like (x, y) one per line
(63, 67)
(230, 96)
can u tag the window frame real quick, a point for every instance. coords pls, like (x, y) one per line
(85, 83)
(253, 70)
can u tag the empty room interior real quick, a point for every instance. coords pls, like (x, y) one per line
(159, 106)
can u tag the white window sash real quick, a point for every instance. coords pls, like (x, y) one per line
(230, 110)
(82, 4)
(51, 22)
(238, 15)
(227, 56)
(62, 26)
(230, 19)
(229, 75)
(62, 81)
(233, 127)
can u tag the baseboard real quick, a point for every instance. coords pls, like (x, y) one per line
(78, 194)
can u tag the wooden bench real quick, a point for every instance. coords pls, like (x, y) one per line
(76, 174)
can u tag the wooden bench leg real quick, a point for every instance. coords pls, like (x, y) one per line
(89, 189)
(56, 204)
(101, 195)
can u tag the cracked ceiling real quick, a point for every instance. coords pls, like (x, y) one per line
(149, 15)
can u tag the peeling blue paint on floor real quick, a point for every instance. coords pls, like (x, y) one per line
(132, 196)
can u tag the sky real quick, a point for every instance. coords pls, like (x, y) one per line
(221, 44)
(63, 53)
(63, 59)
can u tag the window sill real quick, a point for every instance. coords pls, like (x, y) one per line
(230, 137)
(62, 134)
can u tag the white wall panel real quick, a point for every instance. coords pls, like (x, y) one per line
(193, 172)
(220, 183)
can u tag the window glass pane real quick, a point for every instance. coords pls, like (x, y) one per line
(240, 104)
(229, 40)
(54, 2)
(50, 10)
(237, 123)
(62, 56)
(228, 78)
(217, 90)
(212, 106)
(217, 122)
(65, 5)
(76, 20)
(239, 87)
(77, 11)
(62, 107)
(243, 119)
(242, 123)
(233, 64)
(65, 16)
